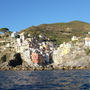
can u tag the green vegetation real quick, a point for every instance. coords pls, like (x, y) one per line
(87, 51)
(4, 30)
(60, 32)
(75, 41)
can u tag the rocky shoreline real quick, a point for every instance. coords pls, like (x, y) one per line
(49, 67)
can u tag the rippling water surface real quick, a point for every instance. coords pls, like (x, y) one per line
(45, 80)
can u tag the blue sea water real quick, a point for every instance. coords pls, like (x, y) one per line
(45, 80)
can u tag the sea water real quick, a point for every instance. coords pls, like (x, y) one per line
(45, 80)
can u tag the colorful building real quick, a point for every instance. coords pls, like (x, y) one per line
(87, 41)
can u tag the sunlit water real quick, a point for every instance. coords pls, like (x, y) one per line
(45, 80)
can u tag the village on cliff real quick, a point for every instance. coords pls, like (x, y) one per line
(40, 51)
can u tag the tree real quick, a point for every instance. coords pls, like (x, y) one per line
(4, 30)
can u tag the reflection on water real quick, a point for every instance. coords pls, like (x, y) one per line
(45, 80)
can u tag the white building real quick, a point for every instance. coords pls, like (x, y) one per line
(74, 38)
(14, 34)
(22, 36)
(88, 32)
(87, 41)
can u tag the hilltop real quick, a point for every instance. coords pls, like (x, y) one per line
(60, 32)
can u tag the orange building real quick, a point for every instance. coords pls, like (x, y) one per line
(37, 58)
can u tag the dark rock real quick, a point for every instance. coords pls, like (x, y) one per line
(16, 61)
(3, 58)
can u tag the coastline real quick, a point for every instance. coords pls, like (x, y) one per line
(50, 67)
(40, 53)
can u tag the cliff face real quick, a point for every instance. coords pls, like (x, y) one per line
(6, 55)
(75, 55)
(75, 58)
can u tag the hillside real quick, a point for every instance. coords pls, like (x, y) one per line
(60, 32)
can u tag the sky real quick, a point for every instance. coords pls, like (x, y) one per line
(21, 14)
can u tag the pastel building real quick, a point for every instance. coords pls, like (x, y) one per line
(74, 38)
(14, 34)
(87, 41)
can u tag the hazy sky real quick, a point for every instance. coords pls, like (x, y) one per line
(20, 14)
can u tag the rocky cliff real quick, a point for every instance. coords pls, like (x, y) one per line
(73, 55)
